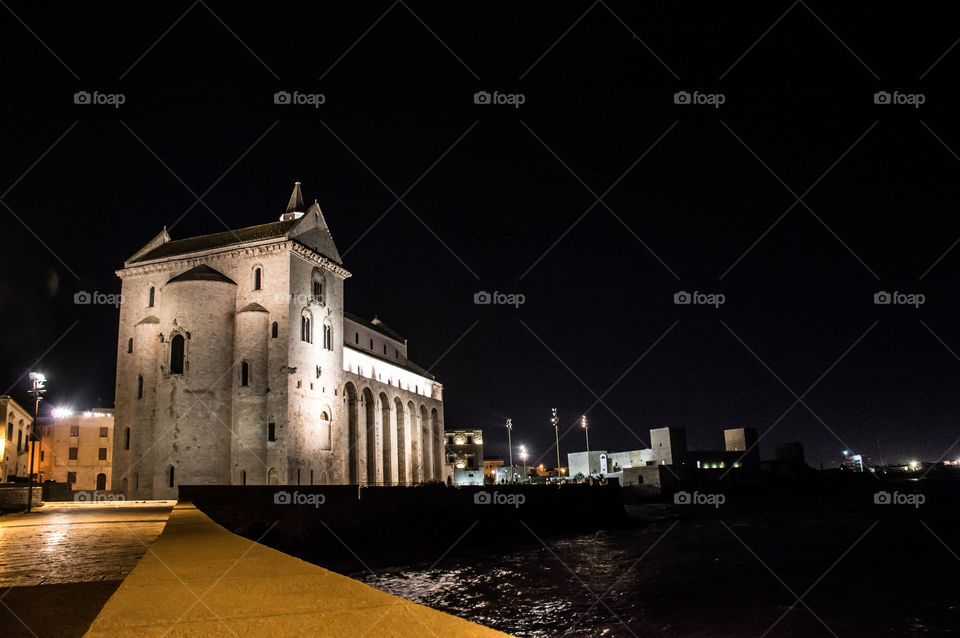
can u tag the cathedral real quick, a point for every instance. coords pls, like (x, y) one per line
(238, 365)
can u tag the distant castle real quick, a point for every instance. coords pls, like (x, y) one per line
(237, 364)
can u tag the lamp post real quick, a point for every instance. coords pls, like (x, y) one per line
(555, 420)
(523, 455)
(510, 445)
(586, 433)
(37, 382)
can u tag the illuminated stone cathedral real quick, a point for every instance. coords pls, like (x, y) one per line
(237, 364)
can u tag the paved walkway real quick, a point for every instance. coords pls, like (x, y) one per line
(198, 579)
(60, 563)
(77, 542)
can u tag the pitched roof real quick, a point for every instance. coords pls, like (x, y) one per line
(376, 325)
(202, 273)
(174, 247)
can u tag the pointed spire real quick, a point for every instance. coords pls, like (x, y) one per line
(295, 207)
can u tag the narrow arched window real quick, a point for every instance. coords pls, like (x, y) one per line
(176, 354)
(323, 416)
(356, 337)
(139, 386)
(126, 438)
(275, 330)
(257, 278)
(328, 336)
(244, 477)
(306, 330)
(244, 373)
(317, 286)
(171, 476)
(129, 345)
(150, 297)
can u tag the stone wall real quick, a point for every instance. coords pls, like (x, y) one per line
(13, 497)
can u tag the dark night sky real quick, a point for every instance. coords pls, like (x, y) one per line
(401, 97)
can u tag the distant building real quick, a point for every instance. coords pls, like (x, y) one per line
(669, 445)
(509, 474)
(78, 448)
(15, 440)
(490, 468)
(464, 451)
(589, 463)
(667, 463)
(744, 441)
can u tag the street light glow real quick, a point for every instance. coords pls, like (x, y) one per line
(62, 413)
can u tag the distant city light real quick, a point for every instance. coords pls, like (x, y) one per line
(914, 465)
(62, 413)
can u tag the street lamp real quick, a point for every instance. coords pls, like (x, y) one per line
(586, 433)
(510, 444)
(523, 455)
(37, 382)
(555, 420)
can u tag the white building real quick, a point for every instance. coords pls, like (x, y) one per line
(237, 364)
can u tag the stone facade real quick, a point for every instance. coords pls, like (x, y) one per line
(236, 364)
(77, 448)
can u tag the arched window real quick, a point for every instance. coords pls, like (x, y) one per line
(176, 354)
(317, 286)
(306, 330)
(327, 336)
(243, 477)
(139, 386)
(171, 475)
(150, 297)
(129, 345)
(257, 278)
(323, 416)
(244, 373)
(274, 330)
(126, 438)
(356, 337)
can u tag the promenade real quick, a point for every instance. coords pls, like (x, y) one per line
(198, 579)
(60, 563)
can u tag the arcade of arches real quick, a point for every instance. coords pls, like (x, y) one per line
(391, 440)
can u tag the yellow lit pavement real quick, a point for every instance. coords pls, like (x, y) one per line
(198, 579)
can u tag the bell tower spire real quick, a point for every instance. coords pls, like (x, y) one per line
(295, 207)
